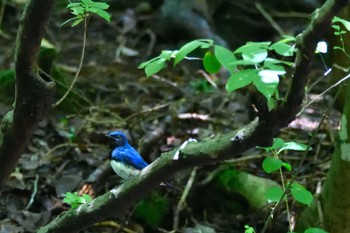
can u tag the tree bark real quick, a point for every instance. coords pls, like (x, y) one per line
(34, 90)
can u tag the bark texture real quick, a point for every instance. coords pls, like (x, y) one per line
(34, 90)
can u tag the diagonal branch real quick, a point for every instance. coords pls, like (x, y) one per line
(222, 147)
(34, 91)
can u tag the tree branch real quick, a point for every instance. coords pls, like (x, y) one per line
(34, 91)
(222, 147)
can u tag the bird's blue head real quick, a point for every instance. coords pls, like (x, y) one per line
(117, 138)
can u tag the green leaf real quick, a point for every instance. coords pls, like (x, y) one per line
(144, 64)
(342, 21)
(87, 198)
(336, 27)
(168, 54)
(274, 194)
(189, 47)
(301, 194)
(254, 52)
(104, 15)
(271, 164)
(100, 5)
(249, 229)
(76, 22)
(338, 48)
(86, 2)
(210, 63)
(314, 230)
(277, 143)
(267, 82)
(225, 57)
(293, 146)
(242, 62)
(271, 61)
(287, 166)
(271, 103)
(241, 79)
(283, 49)
(154, 67)
(73, 4)
(78, 10)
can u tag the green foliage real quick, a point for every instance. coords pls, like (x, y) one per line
(301, 194)
(314, 230)
(211, 64)
(272, 164)
(158, 63)
(189, 47)
(74, 200)
(274, 194)
(338, 31)
(248, 64)
(153, 209)
(249, 229)
(85, 8)
(278, 143)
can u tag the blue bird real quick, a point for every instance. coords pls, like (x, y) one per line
(125, 160)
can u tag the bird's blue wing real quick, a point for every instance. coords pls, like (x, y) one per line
(130, 156)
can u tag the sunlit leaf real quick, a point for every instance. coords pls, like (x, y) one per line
(254, 52)
(283, 49)
(267, 82)
(293, 146)
(342, 21)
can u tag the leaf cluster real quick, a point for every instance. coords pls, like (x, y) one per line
(248, 64)
(74, 200)
(272, 164)
(85, 8)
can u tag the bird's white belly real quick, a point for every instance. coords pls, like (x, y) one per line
(123, 170)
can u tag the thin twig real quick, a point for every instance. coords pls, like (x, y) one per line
(79, 68)
(35, 187)
(181, 204)
(327, 90)
(269, 18)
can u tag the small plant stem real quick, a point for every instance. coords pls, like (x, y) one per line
(80, 65)
(286, 201)
(285, 197)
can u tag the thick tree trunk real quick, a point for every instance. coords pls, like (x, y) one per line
(34, 90)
